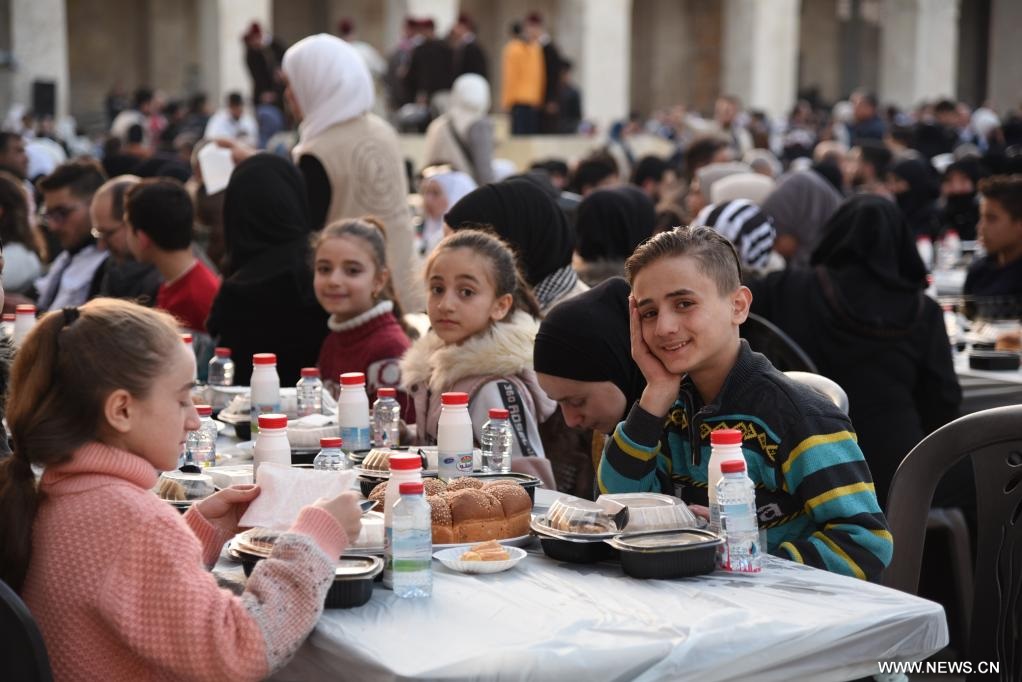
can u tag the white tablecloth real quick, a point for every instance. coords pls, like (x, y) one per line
(544, 620)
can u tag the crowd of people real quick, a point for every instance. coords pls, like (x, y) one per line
(569, 293)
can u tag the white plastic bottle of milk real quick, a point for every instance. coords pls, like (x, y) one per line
(454, 437)
(353, 412)
(271, 443)
(404, 468)
(264, 387)
(726, 446)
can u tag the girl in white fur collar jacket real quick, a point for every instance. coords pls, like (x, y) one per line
(484, 323)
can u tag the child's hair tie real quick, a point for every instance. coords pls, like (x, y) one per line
(71, 313)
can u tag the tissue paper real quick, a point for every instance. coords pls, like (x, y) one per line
(285, 490)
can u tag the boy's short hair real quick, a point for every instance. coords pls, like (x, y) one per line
(162, 209)
(714, 253)
(1006, 190)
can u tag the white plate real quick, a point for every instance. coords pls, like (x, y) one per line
(450, 559)
(519, 541)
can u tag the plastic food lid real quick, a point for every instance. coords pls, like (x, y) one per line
(222, 352)
(386, 393)
(410, 488)
(264, 359)
(272, 421)
(726, 437)
(310, 371)
(332, 442)
(353, 379)
(204, 410)
(454, 399)
(25, 308)
(404, 462)
(499, 413)
(732, 466)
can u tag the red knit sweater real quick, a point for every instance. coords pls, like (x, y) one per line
(119, 589)
(372, 345)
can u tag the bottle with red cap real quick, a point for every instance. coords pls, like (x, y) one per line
(386, 418)
(271, 444)
(331, 457)
(353, 411)
(200, 445)
(412, 562)
(495, 441)
(24, 320)
(404, 468)
(454, 437)
(736, 495)
(725, 446)
(264, 387)
(310, 392)
(220, 373)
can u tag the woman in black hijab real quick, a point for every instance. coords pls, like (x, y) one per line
(861, 315)
(525, 216)
(915, 187)
(611, 223)
(266, 303)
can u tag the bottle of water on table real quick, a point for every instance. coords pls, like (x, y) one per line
(200, 445)
(331, 457)
(220, 373)
(736, 496)
(309, 392)
(412, 543)
(386, 418)
(495, 442)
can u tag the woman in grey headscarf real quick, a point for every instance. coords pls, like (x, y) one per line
(800, 206)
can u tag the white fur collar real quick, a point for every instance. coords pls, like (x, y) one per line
(381, 308)
(505, 350)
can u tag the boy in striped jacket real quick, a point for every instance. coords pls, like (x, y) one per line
(814, 492)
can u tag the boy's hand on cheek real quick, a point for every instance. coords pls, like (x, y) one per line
(661, 384)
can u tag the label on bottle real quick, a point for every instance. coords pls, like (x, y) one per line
(388, 556)
(355, 438)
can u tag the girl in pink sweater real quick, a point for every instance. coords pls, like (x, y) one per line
(115, 577)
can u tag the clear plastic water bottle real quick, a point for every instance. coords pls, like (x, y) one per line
(495, 442)
(386, 418)
(200, 445)
(220, 373)
(331, 457)
(412, 543)
(949, 251)
(736, 496)
(310, 392)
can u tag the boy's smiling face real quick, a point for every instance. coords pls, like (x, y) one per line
(688, 324)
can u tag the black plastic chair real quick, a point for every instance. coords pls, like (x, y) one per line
(22, 650)
(993, 441)
(780, 349)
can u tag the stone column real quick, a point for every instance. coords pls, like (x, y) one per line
(442, 12)
(603, 68)
(39, 45)
(918, 50)
(1005, 63)
(760, 53)
(221, 25)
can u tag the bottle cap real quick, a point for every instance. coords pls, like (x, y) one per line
(264, 359)
(353, 379)
(405, 462)
(8, 317)
(204, 410)
(454, 399)
(25, 308)
(499, 413)
(410, 488)
(187, 338)
(272, 421)
(310, 372)
(732, 466)
(222, 352)
(386, 393)
(726, 437)
(332, 442)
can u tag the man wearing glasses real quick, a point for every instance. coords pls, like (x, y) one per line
(74, 275)
(124, 277)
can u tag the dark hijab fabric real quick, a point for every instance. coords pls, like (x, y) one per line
(265, 207)
(872, 264)
(567, 345)
(800, 206)
(612, 222)
(919, 202)
(524, 216)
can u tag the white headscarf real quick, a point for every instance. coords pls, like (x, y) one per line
(455, 185)
(470, 101)
(330, 81)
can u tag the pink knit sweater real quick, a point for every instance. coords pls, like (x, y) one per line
(119, 586)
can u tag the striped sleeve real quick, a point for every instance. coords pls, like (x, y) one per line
(632, 455)
(828, 474)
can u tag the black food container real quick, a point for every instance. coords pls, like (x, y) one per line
(667, 554)
(576, 551)
(994, 360)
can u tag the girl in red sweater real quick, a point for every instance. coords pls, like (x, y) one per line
(115, 577)
(353, 284)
